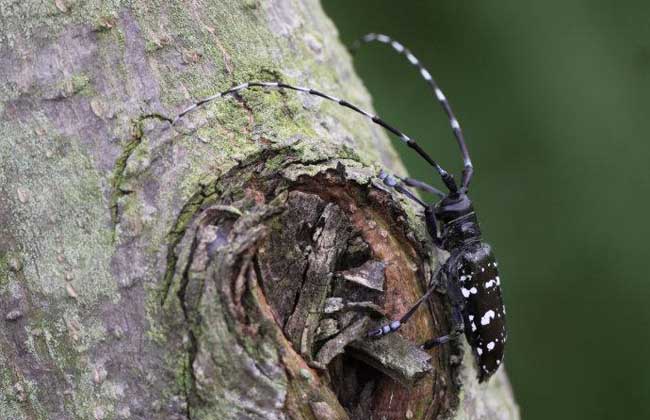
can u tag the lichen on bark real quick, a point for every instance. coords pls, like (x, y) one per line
(141, 265)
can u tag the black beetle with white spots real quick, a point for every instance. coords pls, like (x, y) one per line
(470, 273)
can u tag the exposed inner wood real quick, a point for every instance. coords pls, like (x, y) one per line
(331, 262)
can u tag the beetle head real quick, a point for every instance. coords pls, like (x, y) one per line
(453, 206)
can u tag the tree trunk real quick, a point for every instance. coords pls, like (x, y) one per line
(226, 267)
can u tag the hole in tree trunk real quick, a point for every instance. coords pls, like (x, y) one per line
(342, 249)
(321, 261)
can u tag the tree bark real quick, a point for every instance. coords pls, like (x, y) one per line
(226, 267)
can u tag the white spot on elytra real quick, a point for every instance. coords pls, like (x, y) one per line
(463, 278)
(473, 290)
(479, 351)
(498, 362)
(482, 269)
(471, 317)
(473, 326)
(487, 317)
(498, 281)
(490, 283)
(490, 346)
(465, 292)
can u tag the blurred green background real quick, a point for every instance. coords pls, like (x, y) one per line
(553, 99)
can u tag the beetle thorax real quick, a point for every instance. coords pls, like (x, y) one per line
(459, 224)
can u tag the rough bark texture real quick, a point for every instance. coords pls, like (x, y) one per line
(226, 268)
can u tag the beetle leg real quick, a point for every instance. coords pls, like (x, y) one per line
(412, 182)
(457, 303)
(393, 181)
(432, 225)
(397, 183)
(455, 332)
(396, 324)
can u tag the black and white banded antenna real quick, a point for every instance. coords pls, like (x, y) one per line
(468, 169)
(446, 177)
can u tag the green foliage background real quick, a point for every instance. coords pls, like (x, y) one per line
(553, 98)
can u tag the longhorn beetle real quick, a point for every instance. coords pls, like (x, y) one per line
(470, 273)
